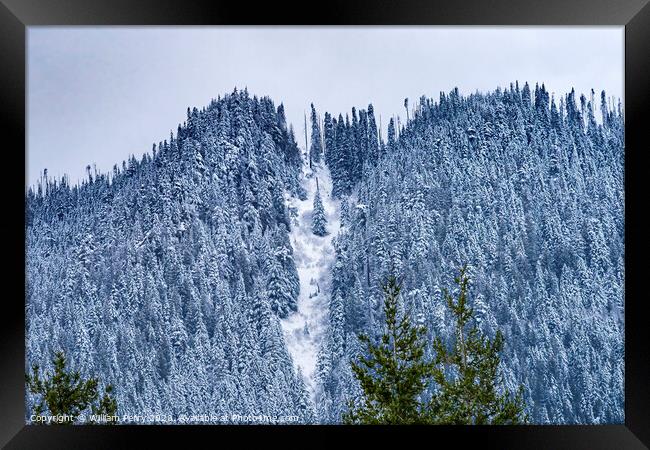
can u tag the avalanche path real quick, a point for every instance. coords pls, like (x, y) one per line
(314, 255)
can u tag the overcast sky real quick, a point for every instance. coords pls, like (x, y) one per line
(99, 94)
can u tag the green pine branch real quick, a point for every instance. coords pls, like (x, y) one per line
(65, 393)
(394, 374)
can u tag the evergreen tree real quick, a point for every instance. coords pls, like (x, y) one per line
(362, 152)
(316, 149)
(341, 159)
(394, 374)
(466, 381)
(391, 132)
(65, 393)
(373, 137)
(328, 138)
(279, 290)
(318, 220)
(471, 392)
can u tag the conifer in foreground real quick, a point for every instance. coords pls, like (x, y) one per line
(471, 396)
(394, 377)
(395, 373)
(65, 394)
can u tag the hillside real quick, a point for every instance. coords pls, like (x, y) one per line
(526, 191)
(170, 275)
(192, 279)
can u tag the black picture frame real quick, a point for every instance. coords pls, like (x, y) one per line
(17, 15)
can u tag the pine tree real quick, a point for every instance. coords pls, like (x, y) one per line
(340, 158)
(391, 132)
(469, 394)
(64, 393)
(328, 140)
(316, 149)
(373, 138)
(395, 373)
(318, 221)
(279, 290)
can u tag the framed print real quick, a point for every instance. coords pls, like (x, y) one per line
(379, 219)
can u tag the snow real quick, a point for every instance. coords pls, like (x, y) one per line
(305, 329)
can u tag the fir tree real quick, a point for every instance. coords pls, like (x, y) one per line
(469, 393)
(395, 373)
(373, 138)
(279, 290)
(318, 221)
(65, 393)
(328, 139)
(316, 149)
(391, 132)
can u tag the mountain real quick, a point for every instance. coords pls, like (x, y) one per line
(169, 276)
(530, 194)
(192, 280)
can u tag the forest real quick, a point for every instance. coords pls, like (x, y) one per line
(170, 276)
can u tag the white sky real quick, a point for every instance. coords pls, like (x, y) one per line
(99, 94)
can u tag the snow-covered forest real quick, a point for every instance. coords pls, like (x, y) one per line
(229, 271)
(170, 275)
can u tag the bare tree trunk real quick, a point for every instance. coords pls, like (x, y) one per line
(367, 269)
(321, 127)
(365, 238)
(306, 143)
